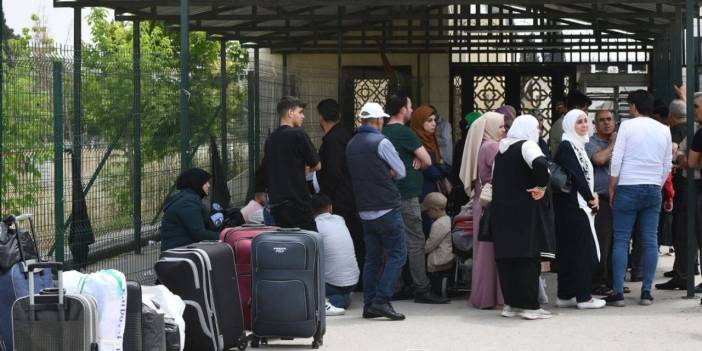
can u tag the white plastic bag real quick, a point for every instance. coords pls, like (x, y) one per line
(170, 304)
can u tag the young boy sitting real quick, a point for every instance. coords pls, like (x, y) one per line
(340, 267)
(439, 248)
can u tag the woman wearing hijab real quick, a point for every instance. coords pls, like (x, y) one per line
(186, 219)
(465, 124)
(509, 112)
(476, 171)
(423, 123)
(521, 221)
(576, 241)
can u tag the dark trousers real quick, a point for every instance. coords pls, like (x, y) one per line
(290, 215)
(353, 223)
(679, 226)
(578, 258)
(519, 279)
(603, 225)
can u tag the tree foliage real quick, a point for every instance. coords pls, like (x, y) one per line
(107, 97)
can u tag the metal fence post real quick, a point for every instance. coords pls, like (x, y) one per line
(251, 131)
(257, 110)
(223, 97)
(2, 119)
(136, 181)
(692, 196)
(58, 160)
(184, 84)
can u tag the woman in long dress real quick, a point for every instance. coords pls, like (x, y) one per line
(476, 171)
(577, 247)
(521, 222)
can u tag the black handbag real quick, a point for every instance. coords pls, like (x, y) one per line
(15, 245)
(560, 180)
(485, 233)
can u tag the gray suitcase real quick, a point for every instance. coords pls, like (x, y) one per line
(52, 320)
(288, 293)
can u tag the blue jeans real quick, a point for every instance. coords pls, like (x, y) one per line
(384, 237)
(339, 296)
(632, 202)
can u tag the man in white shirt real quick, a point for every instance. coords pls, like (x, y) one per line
(340, 267)
(641, 162)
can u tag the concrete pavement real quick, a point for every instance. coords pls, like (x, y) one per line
(670, 323)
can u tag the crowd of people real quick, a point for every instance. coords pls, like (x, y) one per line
(379, 198)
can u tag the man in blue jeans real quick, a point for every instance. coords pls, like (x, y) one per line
(641, 160)
(373, 164)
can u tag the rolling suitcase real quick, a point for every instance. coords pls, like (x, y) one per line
(287, 286)
(204, 276)
(17, 249)
(53, 321)
(132, 339)
(239, 238)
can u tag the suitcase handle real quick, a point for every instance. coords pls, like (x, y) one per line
(59, 268)
(293, 229)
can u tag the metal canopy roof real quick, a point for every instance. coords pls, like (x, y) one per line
(418, 25)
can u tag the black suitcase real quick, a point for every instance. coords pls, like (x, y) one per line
(288, 292)
(204, 276)
(132, 340)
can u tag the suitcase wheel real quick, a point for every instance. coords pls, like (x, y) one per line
(316, 344)
(243, 344)
(255, 341)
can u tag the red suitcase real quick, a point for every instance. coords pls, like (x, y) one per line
(239, 238)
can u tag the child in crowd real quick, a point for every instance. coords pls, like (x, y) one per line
(340, 268)
(438, 247)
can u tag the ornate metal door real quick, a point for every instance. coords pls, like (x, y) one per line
(369, 84)
(524, 87)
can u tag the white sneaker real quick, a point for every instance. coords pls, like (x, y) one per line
(536, 314)
(566, 303)
(333, 310)
(592, 304)
(508, 311)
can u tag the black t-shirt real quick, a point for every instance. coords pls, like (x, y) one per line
(697, 141)
(286, 153)
(678, 132)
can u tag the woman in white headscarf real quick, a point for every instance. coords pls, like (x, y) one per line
(521, 221)
(476, 171)
(577, 248)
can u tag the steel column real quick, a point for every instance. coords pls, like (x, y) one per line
(223, 102)
(184, 84)
(76, 144)
(136, 180)
(257, 107)
(251, 97)
(690, 12)
(2, 118)
(59, 228)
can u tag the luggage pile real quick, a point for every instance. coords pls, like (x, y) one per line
(262, 279)
(275, 274)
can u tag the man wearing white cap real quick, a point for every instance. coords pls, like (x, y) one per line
(374, 165)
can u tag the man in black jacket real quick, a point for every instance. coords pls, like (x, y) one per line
(334, 179)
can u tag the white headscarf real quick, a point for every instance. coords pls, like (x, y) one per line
(569, 132)
(578, 142)
(524, 127)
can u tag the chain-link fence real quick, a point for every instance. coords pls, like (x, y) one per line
(98, 147)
